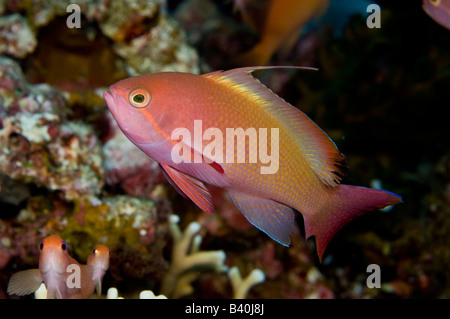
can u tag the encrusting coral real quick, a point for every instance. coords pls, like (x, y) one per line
(38, 144)
(16, 37)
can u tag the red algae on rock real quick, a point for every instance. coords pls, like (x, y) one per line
(39, 146)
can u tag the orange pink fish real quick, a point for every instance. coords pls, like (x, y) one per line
(282, 27)
(55, 270)
(295, 166)
(439, 10)
(99, 260)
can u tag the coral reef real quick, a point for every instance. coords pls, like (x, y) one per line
(113, 221)
(39, 145)
(64, 165)
(16, 36)
(66, 168)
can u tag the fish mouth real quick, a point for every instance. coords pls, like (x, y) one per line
(114, 99)
(52, 263)
(110, 101)
(124, 115)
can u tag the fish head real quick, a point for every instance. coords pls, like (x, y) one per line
(54, 257)
(99, 257)
(140, 106)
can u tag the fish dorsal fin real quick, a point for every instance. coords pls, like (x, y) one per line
(191, 187)
(273, 218)
(24, 282)
(320, 151)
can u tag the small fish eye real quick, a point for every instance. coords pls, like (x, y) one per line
(63, 245)
(435, 2)
(139, 98)
(94, 251)
(41, 245)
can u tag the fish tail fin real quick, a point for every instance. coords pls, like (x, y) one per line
(346, 203)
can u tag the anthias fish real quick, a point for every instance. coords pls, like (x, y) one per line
(99, 260)
(282, 27)
(303, 171)
(439, 10)
(54, 272)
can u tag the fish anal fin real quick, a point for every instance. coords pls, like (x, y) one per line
(322, 155)
(191, 187)
(24, 282)
(273, 218)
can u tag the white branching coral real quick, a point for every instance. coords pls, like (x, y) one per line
(144, 294)
(187, 260)
(241, 286)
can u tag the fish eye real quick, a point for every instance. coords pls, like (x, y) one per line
(41, 245)
(139, 98)
(63, 245)
(95, 251)
(435, 2)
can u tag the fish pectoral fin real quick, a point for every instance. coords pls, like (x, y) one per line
(190, 187)
(98, 287)
(275, 219)
(24, 282)
(87, 283)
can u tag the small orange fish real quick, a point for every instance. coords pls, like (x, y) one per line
(283, 25)
(211, 129)
(439, 10)
(55, 269)
(99, 260)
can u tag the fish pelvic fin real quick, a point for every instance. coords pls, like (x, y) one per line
(346, 203)
(24, 282)
(98, 287)
(275, 219)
